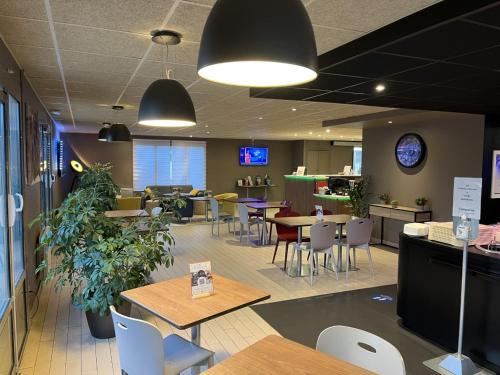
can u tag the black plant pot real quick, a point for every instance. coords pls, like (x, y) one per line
(101, 327)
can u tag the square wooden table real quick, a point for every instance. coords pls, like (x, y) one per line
(306, 221)
(171, 301)
(274, 355)
(264, 206)
(126, 213)
(206, 200)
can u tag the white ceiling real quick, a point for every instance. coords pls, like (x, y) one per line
(82, 56)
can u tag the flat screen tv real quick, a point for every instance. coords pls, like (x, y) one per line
(253, 156)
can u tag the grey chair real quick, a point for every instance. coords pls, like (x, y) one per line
(322, 239)
(218, 216)
(143, 350)
(361, 348)
(358, 235)
(246, 220)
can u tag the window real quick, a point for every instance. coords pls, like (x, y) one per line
(357, 153)
(169, 163)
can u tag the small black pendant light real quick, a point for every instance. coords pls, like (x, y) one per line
(103, 132)
(166, 102)
(258, 43)
(118, 132)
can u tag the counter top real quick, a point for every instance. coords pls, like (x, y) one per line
(318, 177)
(333, 197)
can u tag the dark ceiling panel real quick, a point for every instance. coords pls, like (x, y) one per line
(490, 16)
(443, 58)
(373, 65)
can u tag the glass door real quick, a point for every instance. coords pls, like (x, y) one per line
(46, 169)
(15, 208)
(7, 359)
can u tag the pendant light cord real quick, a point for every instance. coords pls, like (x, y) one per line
(165, 72)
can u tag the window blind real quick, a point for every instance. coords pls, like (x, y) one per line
(160, 162)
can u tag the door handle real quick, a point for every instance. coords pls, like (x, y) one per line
(21, 203)
(11, 210)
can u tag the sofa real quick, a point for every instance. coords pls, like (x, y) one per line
(162, 190)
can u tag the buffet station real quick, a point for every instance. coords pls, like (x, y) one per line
(429, 278)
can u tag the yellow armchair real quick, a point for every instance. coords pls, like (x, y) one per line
(129, 203)
(225, 206)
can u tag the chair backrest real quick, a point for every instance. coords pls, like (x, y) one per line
(156, 211)
(282, 229)
(214, 207)
(128, 203)
(243, 213)
(362, 349)
(323, 235)
(359, 231)
(140, 345)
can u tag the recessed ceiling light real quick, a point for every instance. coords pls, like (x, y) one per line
(341, 136)
(294, 109)
(295, 135)
(206, 126)
(328, 130)
(310, 132)
(380, 87)
(190, 136)
(10, 71)
(55, 112)
(208, 132)
(389, 122)
(261, 118)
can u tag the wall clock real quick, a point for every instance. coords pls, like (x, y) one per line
(410, 150)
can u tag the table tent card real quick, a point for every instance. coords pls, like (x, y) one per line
(201, 279)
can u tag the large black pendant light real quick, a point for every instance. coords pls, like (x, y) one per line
(102, 136)
(118, 132)
(166, 102)
(258, 43)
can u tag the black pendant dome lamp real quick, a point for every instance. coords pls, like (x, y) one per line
(118, 132)
(103, 132)
(258, 43)
(166, 102)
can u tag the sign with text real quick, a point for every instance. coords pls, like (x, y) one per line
(201, 279)
(467, 201)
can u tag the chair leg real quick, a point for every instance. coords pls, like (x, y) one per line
(370, 260)
(241, 232)
(212, 226)
(270, 232)
(333, 262)
(311, 267)
(347, 262)
(354, 257)
(210, 361)
(286, 255)
(248, 233)
(276, 250)
(291, 260)
(218, 228)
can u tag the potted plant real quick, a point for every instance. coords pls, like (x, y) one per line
(358, 194)
(394, 203)
(99, 257)
(421, 202)
(384, 198)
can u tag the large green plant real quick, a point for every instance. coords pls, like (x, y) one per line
(358, 193)
(97, 256)
(98, 177)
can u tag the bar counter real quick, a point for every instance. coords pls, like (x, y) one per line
(429, 278)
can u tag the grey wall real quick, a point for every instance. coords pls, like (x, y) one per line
(454, 148)
(223, 167)
(339, 156)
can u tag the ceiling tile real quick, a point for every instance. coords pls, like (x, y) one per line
(185, 53)
(105, 42)
(329, 38)
(97, 63)
(34, 57)
(125, 15)
(23, 8)
(189, 20)
(25, 32)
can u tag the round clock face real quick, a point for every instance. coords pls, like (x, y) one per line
(410, 150)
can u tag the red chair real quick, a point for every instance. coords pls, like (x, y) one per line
(287, 208)
(286, 234)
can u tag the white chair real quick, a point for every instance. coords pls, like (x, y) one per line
(362, 349)
(322, 239)
(217, 216)
(246, 220)
(143, 350)
(156, 211)
(358, 235)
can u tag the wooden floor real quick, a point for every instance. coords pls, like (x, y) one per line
(59, 341)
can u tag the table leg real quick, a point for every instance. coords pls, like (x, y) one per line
(206, 211)
(195, 339)
(381, 230)
(299, 252)
(339, 250)
(264, 227)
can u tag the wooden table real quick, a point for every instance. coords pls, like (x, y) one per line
(171, 301)
(203, 199)
(244, 200)
(306, 221)
(274, 355)
(126, 213)
(263, 206)
(409, 214)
